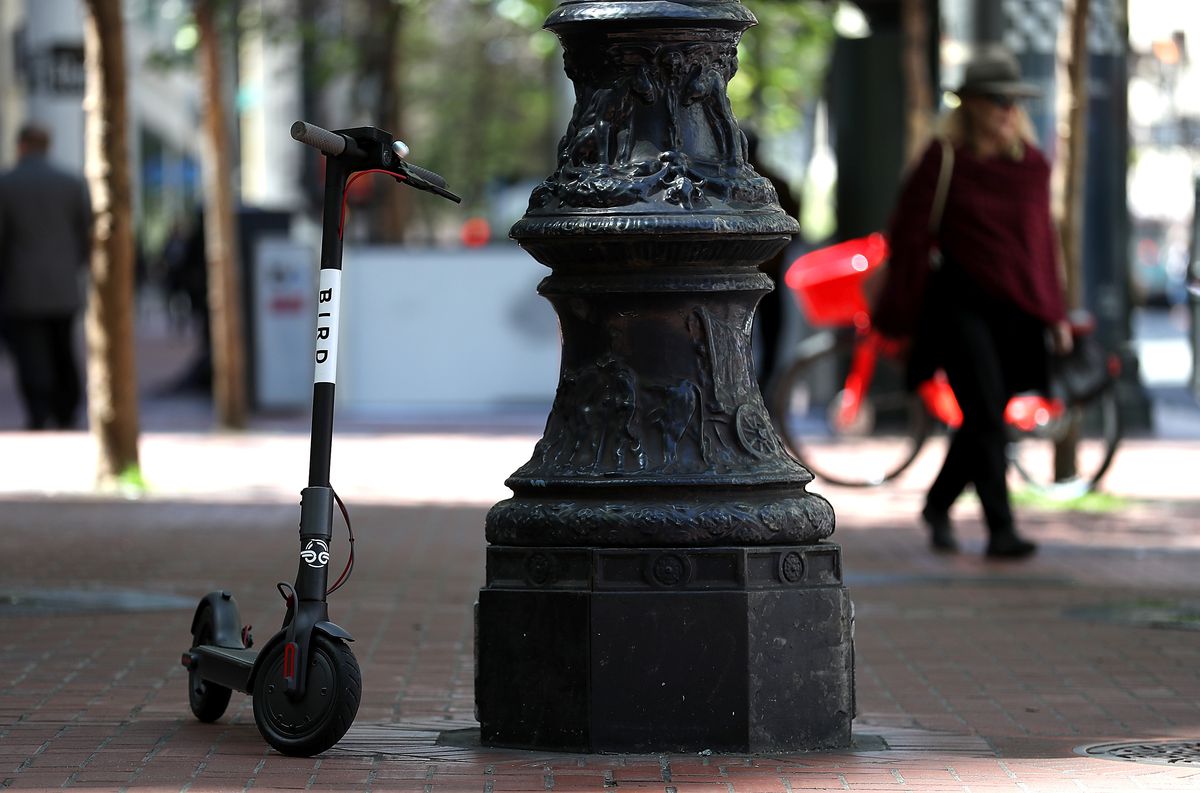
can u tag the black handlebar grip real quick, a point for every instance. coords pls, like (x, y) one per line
(427, 175)
(331, 143)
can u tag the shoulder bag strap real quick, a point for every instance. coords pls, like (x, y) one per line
(943, 188)
(939, 202)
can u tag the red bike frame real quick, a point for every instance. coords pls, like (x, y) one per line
(828, 284)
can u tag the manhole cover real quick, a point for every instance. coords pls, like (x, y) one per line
(1167, 753)
(76, 601)
(1171, 614)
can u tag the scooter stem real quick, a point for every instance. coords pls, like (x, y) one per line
(316, 502)
(329, 298)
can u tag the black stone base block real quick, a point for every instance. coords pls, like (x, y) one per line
(745, 649)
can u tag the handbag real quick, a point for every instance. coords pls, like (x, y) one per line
(1082, 373)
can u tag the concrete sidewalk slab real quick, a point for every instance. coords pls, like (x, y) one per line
(447, 464)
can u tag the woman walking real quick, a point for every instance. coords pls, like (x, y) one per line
(974, 279)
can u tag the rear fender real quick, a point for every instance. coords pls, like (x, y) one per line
(227, 624)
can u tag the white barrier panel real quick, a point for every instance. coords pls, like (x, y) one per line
(285, 300)
(452, 330)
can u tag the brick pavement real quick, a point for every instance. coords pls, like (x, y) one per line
(971, 676)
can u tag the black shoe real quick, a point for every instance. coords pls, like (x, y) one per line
(941, 533)
(1009, 546)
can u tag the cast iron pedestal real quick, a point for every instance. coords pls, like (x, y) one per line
(660, 580)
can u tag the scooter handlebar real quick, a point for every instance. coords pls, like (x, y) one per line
(331, 143)
(335, 144)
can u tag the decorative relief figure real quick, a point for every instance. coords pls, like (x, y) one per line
(721, 348)
(707, 87)
(596, 165)
(643, 85)
(620, 436)
(725, 348)
(605, 118)
(607, 421)
(676, 414)
(592, 426)
(672, 65)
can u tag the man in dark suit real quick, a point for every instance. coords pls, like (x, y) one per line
(45, 243)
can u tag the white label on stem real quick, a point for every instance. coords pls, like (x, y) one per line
(329, 300)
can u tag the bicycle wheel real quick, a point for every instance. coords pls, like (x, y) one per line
(884, 435)
(1098, 424)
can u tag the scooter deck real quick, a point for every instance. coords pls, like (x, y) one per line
(225, 666)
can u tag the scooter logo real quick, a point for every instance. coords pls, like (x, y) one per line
(315, 553)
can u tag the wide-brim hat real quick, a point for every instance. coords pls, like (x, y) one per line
(995, 72)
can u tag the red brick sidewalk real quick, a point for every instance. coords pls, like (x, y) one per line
(971, 676)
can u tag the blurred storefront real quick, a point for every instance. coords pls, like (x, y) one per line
(42, 80)
(1164, 124)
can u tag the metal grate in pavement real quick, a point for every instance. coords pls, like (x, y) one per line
(1165, 753)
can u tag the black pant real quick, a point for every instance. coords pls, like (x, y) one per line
(44, 352)
(970, 353)
(769, 319)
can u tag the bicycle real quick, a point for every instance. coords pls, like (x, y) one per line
(843, 409)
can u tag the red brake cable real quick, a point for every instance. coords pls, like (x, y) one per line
(345, 576)
(346, 191)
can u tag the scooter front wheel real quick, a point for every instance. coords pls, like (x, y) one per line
(207, 699)
(310, 724)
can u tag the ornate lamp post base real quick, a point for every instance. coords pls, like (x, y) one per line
(740, 649)
(660, 579)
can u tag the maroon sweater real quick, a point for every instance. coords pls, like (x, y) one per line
(996, 226)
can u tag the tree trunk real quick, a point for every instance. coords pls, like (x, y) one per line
(220, 240)
(111, 370)
(918, 94)
(1071, 164)
(1069, 177)
(394, 207)
(482, 101)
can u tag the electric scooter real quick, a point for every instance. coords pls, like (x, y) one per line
(305, 683)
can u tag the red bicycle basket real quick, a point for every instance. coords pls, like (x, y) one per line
(829, 282)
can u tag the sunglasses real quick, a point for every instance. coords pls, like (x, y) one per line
(1001, 100)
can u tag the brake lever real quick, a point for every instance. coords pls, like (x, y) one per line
(418, 177)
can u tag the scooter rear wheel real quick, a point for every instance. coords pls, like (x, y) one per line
(308, 726)
(207, 699)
